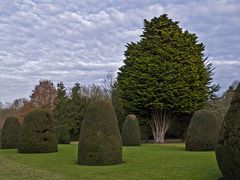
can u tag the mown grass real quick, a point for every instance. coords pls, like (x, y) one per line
(149, 161)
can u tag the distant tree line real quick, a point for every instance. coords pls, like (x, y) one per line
(67, 106)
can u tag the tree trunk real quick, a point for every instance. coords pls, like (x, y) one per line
(160, 122)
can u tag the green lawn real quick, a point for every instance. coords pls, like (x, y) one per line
(149, 161)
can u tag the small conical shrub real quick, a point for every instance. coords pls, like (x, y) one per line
(10, 133)
(100, 139)
(63, 135)
(38, 133)
(228, 147)
(203, 131)
(131, 131)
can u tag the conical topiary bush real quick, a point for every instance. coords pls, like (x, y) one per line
(63, 135)
(131, 131)
(10, 133)
(228, 147)
(203, 130)
(100, 140)
(38, 133)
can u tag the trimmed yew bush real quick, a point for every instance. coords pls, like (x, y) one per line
(63, 135)
(100, 139)
(203, 130)
(228, 147)
(10, 133)
(131, 131)
(38, 133)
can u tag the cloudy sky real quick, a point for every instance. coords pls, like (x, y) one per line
(82, 40)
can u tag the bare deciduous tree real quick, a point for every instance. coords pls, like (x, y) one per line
(43, 95)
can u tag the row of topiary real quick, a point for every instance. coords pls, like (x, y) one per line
(100, 142)
(37, 131)
(207, 132)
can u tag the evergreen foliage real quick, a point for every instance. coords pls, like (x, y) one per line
(61, 110)
(10, 133)
(100, 139)
(220, 105)
(78, 104)
(120, 113)
(131, 131)
(228, 147)
(63, 135)
(179, 127)
(38, 133)
(145, 132)
(164, 73)
(202, 134)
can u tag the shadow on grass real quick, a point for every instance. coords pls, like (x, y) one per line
(110, 165)
(166, 147)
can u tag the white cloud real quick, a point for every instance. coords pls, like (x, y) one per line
(80, 41)
(226, 62)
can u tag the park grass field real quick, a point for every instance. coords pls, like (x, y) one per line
(149, 161)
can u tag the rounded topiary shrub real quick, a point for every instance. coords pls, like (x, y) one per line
(131, 131)
(63, 135)
(228, 147)
(10, 133)
(100, 139)
(203, 131)
(38, 133)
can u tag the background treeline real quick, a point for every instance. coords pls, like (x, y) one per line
(68, 106)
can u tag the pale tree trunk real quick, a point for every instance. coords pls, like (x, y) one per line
(160, 122)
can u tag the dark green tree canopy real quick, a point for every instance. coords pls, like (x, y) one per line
(165, 69)
(61, 110)
(77, 104)
(120, 113)
(10, 133)
(38, 133)
(228, 147)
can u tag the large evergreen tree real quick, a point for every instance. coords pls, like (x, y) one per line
(61, 111)
(78, 105)
(164, 73)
